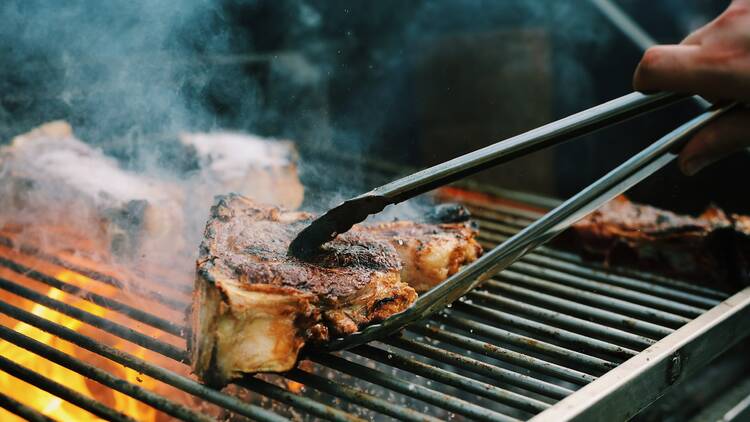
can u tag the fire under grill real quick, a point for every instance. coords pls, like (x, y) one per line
(551, 338)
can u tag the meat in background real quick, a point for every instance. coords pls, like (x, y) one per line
(262, 169)
(51, 179)
(709, 249)
(61, 194)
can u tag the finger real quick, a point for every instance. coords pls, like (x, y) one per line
(687, 69)
(697, 36)
(668, 68)
(728, 134)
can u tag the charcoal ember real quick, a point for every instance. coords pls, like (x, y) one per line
(52, 179)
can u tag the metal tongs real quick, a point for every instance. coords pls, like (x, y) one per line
(342, 217)
(637, 168)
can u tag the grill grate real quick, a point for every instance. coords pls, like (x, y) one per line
(530, 337)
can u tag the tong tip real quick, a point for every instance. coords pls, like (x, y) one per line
(335, 221)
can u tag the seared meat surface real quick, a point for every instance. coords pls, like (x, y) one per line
(430, 253)
(255, 306)
(706, 248)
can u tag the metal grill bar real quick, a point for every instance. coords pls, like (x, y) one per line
(594, 271)
(139, 365)
(92, 274)
(22, 410)
(92, 297)
(617, 286)
(61, 391)
(595, 299)
(710, 296)
(555, 345)
(670, 294)
(614, 291)
(579, 309)
(505, 355)
(358, 396)
(402, 362)
(96, 321)
(528, 343)
(454, 359)
(586, 343)
(572, 274)
(300, 402)
(102, 377)
(557, 319)
(410, 389)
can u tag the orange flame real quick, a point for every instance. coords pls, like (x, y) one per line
(49, 404)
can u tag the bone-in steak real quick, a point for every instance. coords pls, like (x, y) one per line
(255, 307)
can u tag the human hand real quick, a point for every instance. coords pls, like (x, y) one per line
(713, 62)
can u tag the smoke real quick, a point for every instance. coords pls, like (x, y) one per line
(130, 75)
(332, 76)
(119, 71)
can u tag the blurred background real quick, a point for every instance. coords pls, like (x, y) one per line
(403, 83)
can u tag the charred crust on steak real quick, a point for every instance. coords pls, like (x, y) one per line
(277, 302)
(448, 213)
(256, 306)
(247, 252)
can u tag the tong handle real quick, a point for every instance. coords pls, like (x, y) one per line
(341, 218)
(584, 122)
(632, 171)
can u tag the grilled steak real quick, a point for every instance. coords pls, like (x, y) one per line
(49, 178)
(430, 253)
(255, 307)
(707, 248)
(263, 169)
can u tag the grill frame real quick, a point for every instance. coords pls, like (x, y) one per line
(537, 354)
(647, 376)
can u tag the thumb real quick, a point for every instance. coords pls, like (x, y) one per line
(668, 68)
(728, 134)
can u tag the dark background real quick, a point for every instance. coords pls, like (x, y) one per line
(405, 83)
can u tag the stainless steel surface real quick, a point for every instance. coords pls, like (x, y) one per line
(614, 183)
(619, 394)
(741, 412)
(342, 217)
(500, 353)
